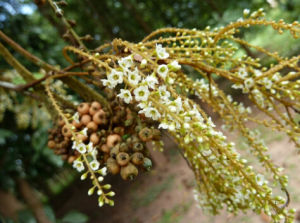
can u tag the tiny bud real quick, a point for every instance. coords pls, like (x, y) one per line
(111, 194)
(107, 186)
(84, 176)
(91, 191)
(100, 203)
(143, 63)
(103, 171)
(111, 203)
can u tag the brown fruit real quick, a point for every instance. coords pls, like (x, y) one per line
(123, 159)
(94, 138)
(119, 130)
(64, 157)
(116, 119)
(82, 137)
(76, 124)
(61, 122)
(114, 152)
(99, 117)
(92, 126)
(124, 147)
(113, 140)
(51, 144)
(138, 147)
(85, 119)
(67, 139)
(64, 144)
(83, 108)
(129, 172)
(145, 134)
(71, 159)
(95, 106)
(66, 131)
(112, 166)
(105, 157)
(105, 148)
(137, 158)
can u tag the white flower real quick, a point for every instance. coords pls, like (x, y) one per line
(162, 70)
(125, 95)
(161, 52)
(170, 80)
(133, 76)
(237, 86)
(151, 113)
(260, 179)
(246, 12)
(267, 82)
(242, 72)
(151, 81)
(84, 131)
(103, 171)
(257, 73)
(78, 165)
(141, 93)
(116, 77)
(92, 150)
(143, 104)
(249, 82)
(174, 65)
(172, 127)
(126, 62)
(94, 165)
(143, 63)
(176, 105)
(80, 147)
(108, 83)
(163, 125)
(76, 117)
(163, 93)
(94, 153)
(90, 147)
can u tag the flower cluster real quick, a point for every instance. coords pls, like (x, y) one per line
(215, 159)
(147, 78)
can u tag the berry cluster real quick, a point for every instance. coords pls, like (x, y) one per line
(119, 137)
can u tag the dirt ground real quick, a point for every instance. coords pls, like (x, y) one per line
(165, 195)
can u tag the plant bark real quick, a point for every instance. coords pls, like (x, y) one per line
(31, 199)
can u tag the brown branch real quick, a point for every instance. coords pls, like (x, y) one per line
(25, 53)
(31, 199)
(60, 15)
(9, 205)
(26, 74)
(21, 87)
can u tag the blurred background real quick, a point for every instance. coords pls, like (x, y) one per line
(33, 179)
